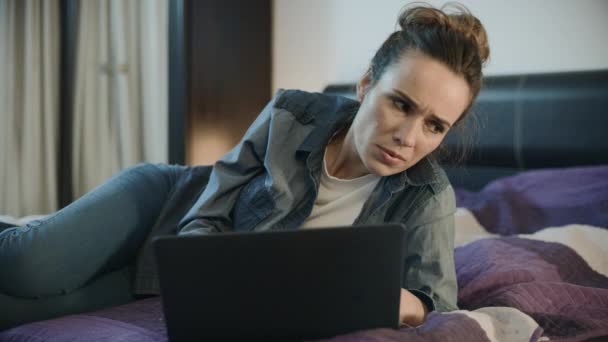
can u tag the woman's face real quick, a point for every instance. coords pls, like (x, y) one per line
(407, 113)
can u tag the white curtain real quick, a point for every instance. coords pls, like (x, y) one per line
(29, 106)
(121, 88)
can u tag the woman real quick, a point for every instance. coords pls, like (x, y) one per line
(309, 160)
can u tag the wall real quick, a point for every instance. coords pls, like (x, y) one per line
(318, 42)
(229, 68)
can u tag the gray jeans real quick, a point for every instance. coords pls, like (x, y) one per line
(84, 257)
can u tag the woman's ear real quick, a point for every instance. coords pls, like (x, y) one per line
(363, 85)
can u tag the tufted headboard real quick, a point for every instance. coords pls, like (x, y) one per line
(524, 122)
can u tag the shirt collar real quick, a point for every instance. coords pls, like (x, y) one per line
(328, 114)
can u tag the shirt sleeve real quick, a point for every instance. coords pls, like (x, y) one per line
(429, 272)
(211, 211)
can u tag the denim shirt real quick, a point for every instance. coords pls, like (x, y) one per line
(271, 178)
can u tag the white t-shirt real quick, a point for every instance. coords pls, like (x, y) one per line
(339, 201)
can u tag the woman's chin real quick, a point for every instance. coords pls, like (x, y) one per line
(381, 169)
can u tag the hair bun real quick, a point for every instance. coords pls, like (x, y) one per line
(450, 17)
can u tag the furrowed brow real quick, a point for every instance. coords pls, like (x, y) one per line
(416, 106)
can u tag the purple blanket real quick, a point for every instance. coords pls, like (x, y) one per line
(143, 321)
(548, 281)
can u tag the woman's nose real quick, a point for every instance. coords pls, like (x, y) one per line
(406, 133)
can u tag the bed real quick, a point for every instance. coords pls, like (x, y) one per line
(531, 246)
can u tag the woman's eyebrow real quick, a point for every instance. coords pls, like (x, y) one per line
(407, 99)
(416, 107)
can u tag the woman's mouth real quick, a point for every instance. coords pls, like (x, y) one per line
(390, 157)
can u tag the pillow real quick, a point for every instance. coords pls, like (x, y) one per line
(8, 221)
(532, 200)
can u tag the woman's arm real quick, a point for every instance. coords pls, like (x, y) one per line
(429, 271)
(412, 311)
(211, 212)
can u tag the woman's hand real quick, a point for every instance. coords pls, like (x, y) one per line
(412, 311)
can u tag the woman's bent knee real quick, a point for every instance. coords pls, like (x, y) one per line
(97, 233)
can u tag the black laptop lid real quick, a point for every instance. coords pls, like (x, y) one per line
(281, 285)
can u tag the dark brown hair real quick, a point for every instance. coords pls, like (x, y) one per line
(451, 35)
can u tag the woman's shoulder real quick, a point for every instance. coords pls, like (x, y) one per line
(427, 171)
(308, 107)
(428, 195)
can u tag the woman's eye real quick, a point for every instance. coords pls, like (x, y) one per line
(400, 104)
(436, 128)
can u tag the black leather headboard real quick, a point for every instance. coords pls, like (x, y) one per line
(529, 122)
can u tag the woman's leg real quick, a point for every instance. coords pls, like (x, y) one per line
(110, 289)
(99, 233)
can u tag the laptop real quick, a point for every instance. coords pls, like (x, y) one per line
(280, 285)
